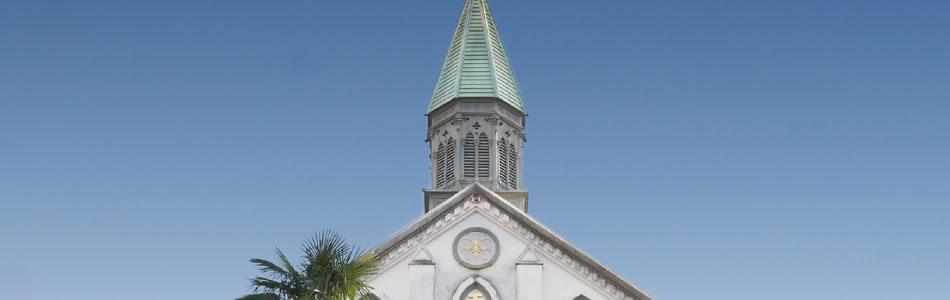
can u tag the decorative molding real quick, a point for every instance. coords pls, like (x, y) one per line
(475, 106)
(494, 119)
(468, 282)
(510, 115)
(529, 257)
(441, 116)
(458, 250)
(422, 257)
(458, 119)
(519, 133)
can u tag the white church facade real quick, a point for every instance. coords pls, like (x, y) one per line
(476, 240)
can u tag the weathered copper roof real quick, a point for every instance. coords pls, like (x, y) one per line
(476, 65)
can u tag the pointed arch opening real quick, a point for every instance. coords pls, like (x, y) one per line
(503, 162)
(440, 166)
(512, 166)
(477, 288)
(475, 292)
(484, 167)
(450, 161)
(468, 159)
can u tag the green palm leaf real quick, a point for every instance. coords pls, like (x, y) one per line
(260, 297)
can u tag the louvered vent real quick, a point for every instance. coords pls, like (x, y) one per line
(468, 160)
(450, 161)
(483, 164)
(440, 166)
(503, 162)
(512, 167)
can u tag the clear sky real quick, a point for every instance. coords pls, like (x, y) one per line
(701, 149)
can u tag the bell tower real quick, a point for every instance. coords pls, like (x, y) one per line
(476, 116)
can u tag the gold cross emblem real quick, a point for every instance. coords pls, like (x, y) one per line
(475, 249)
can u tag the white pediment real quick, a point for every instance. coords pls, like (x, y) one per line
(529, 256)
(521, 241)
(422, 256)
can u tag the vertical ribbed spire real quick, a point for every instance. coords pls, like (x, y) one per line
(476, 65)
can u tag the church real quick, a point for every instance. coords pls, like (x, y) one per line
(476, 240)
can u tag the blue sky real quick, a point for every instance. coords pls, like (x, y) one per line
(701, 149)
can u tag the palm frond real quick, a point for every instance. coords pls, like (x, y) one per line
(269, 267)
(331, 270)
(289, 266)
(268, 296)
(324, 248)
(266, 284)
(349, 270)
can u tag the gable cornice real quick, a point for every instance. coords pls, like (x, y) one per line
(547, 242)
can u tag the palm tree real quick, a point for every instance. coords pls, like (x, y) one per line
(331, 270)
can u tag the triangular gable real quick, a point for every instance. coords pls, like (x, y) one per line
(422, 257)
(529, 256)
(545, 240)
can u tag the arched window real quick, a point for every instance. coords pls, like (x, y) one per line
(512, 166)
(484, 167)
(475, 159)
(450, 161)
(445, 163)
(475, 288)
(503, 162)
(468, 159)
(581, 297)
(440, 166)
(475, 294)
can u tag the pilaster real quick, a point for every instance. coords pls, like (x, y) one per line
(530, 276)
(422, 276)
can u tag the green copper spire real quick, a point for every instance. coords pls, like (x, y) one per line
(476, 65)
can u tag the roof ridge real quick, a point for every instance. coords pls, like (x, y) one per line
(491, 52)
(467, 15)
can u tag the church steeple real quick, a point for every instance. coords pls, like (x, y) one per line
(476, 116)
(476, 65)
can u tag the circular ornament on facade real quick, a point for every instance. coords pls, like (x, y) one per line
(476, 248)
